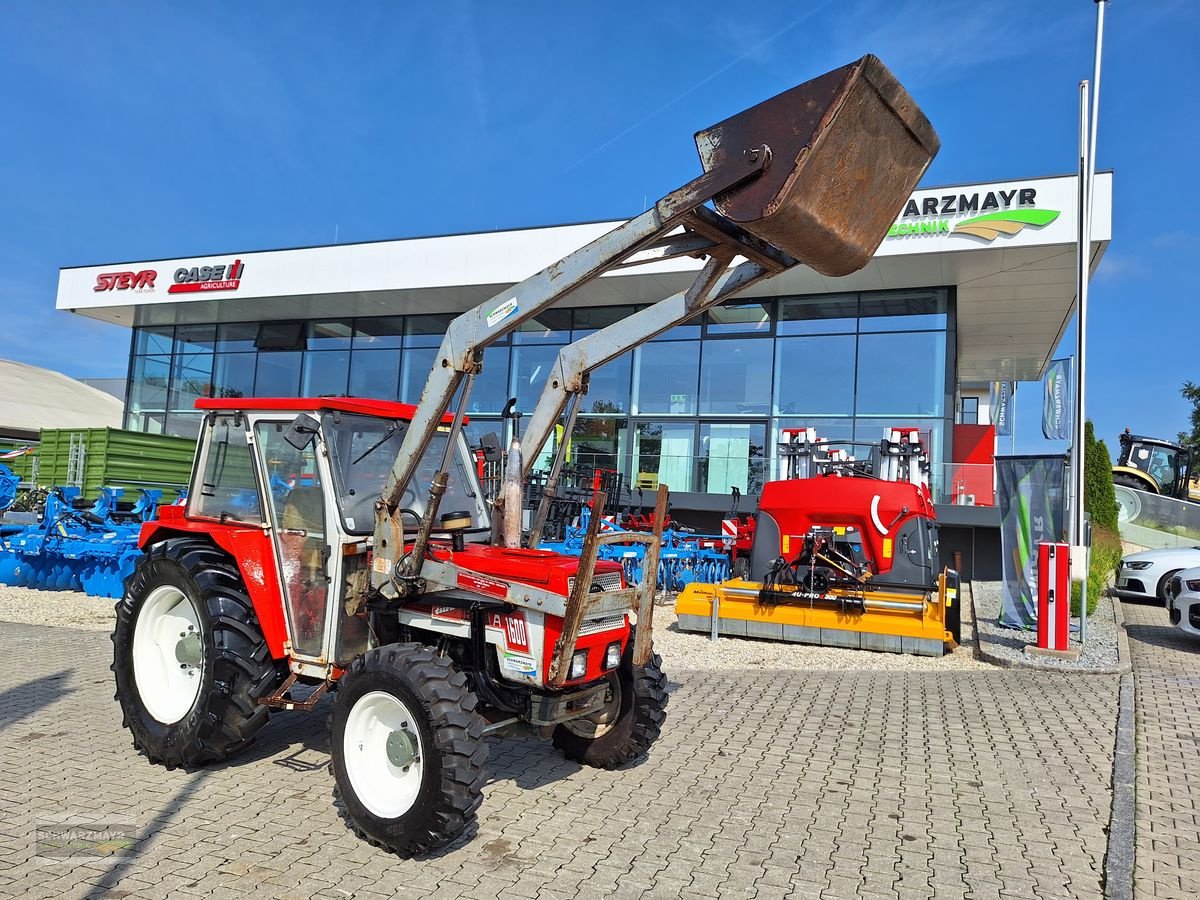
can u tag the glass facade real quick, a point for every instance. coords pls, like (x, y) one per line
(700, 408)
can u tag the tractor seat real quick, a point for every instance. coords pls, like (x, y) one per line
(304, 510)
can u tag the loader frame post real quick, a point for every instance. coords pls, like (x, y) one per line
(438, 488)
(550, 489)
(641, 597)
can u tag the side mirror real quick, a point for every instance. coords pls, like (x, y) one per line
(302, 431)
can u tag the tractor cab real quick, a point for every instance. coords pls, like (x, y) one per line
(308, 473)
(1157, 466)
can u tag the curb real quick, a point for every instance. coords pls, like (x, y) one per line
(1119, 860)
(1123, 667)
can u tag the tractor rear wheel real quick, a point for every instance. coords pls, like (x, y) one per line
(189, 656)
(408, 755)
(627, 725)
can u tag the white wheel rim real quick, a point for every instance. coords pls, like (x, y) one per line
(167, 648)
(374, 765)
(1129, 505)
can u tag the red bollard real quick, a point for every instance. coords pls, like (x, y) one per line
(1054, 595)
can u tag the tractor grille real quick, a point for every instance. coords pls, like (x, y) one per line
(605, 581)
(604, 623)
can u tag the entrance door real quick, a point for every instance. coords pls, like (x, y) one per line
(298, 518)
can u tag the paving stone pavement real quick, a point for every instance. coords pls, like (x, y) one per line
(773, 784)
(1166, 671)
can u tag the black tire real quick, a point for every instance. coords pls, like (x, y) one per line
(741, 568)
(1126, 480)
(642, 703)
(1161, 591)
(236, 668)
(453, 774)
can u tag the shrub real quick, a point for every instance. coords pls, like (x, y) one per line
(1106, 553)
(1099, 498)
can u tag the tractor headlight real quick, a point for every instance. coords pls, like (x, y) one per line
(1139, 564)
(578, 665)
(1193, 585)
(612, 655)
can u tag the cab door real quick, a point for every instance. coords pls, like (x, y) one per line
(296, 511)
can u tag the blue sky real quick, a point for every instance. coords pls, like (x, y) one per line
(147, 130)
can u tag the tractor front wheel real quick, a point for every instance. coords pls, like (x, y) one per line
(627, 725)
(408, 754)
(189, 656)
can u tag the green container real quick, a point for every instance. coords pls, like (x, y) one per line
(113, 457)
(22, 466)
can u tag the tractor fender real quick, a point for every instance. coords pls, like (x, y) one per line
(250, 549)
(1144, 481)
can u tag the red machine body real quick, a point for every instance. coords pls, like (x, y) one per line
(893, 521)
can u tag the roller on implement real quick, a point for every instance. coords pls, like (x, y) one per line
(845, 554)
(314, 550)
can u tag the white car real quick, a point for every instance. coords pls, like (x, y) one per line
(1144, 575)
(1183, 601)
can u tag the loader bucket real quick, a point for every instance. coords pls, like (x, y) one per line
(847, 149)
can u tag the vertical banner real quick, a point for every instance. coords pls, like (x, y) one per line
(1001, 404)
(1056, 405)
(1032, 499)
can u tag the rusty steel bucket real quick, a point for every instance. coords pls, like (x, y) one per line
(847, 149)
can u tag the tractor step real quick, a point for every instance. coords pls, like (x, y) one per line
(280, 699)
(804, 634)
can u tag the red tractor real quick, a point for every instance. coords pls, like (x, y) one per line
(346, 546)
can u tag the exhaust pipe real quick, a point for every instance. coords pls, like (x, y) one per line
(510, 490)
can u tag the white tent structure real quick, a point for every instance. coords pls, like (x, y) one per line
(32, 399)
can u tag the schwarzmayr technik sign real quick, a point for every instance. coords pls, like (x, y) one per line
(998, 212)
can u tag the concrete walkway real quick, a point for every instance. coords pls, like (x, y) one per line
(980, 784)
(1166, 668)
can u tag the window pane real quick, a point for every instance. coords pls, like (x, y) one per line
(666, 379)
(531, 365)
(415, 365)
(608, 389)
(814, 375)
(184, 424)
(818, 314)
(490, 392)
(901, 374)
(839, 433)
(379, 332)
(195, 338)
(552, 326)
(148, 388)
(330, 335)
(325, 373)
(227, 483)
(599, 443)
(375, 373)
(191, 377)
(237, 337)
(154, 339)
(735, 377)
(593, 318)
(750, 317)
(233, 374)
(689, 332)
(732, 455)
(426, 331)
(663, 453)
(278, 374)
(970, 411)
(903, 310)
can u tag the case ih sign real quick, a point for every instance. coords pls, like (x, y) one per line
(208, 278)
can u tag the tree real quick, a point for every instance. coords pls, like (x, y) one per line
(1099, 498)
(1191, 393)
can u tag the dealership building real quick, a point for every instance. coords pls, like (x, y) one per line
(973, 284)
